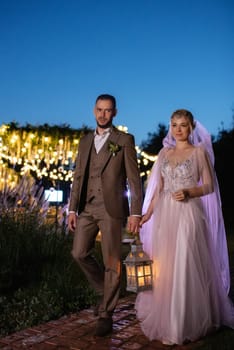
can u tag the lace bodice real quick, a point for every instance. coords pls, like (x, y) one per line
(178, 176)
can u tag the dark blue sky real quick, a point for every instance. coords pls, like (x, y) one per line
(155, 56)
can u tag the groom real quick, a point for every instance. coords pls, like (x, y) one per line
(106, 166)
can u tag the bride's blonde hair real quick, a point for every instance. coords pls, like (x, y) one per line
(184, 113)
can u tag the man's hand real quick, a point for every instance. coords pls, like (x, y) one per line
(133, 224)
(72, 220)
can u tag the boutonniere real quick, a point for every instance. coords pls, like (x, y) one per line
(113, 148)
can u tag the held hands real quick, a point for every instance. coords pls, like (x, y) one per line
(145, 218)
(180, 195)
(72, 219)
(148, 213)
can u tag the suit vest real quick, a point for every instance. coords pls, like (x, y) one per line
(94, 183)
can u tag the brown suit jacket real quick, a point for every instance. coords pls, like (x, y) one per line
(117, 172)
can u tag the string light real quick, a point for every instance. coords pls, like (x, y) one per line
(47, 156)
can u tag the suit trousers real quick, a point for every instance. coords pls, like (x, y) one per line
(105, 281)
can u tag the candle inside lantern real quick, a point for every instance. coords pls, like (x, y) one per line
(140, 276)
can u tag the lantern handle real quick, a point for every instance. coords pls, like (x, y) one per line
(137, 238)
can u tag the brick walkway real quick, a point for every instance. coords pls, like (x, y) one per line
(75, 332)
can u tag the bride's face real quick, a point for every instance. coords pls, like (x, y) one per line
(180, 128)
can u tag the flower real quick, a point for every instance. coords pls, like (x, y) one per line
(113, 148)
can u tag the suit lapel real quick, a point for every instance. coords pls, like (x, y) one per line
(105, 154)
(87, 145)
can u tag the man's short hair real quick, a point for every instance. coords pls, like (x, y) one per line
(107, 97)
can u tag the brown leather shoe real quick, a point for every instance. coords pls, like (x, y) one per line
(104, 326)
(95, 310)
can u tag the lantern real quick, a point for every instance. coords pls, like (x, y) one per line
(138, 268)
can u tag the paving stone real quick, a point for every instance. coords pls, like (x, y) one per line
(39, 338)
(43, 346)
(132, 346)
(69, 343)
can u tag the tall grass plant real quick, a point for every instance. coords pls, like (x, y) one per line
(39, 280)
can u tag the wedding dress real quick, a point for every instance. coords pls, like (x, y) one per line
(191, 273)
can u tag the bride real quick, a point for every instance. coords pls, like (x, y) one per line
(183, 232)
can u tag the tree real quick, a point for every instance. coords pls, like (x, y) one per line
(152, 147)
(45, 152)
(154, 141)
(224, 165)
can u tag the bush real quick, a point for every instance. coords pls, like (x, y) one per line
(39, 279)
(31, 306)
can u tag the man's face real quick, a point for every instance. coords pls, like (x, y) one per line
(104, 113)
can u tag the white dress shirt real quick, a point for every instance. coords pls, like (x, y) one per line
(100, 139)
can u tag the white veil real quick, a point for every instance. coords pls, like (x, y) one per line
(212, 203)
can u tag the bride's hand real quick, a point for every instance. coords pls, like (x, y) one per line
(180, 195)
(144, 219)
